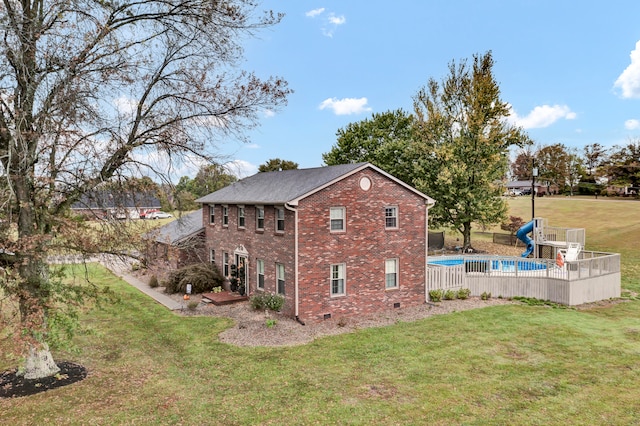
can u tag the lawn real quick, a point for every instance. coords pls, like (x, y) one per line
(511, 364)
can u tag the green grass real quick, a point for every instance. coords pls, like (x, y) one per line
(512, 364)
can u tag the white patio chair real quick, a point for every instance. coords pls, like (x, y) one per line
(569, 254)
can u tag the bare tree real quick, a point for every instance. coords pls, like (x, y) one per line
(92, 89)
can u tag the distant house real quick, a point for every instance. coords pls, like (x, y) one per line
(103, 204)
(524, 186)
(334, 241)
(178, 243)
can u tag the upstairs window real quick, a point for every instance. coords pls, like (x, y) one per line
(337, 219)
(212, 214)
(391, 217)
(279, 219)
(240, 216)
(337, 279)
(225, 216)
(260, 218)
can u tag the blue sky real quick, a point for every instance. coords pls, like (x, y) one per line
(570, 70)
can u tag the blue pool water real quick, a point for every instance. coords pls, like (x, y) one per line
(496, 265)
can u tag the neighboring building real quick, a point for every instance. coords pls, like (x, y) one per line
(334, 241)
(524, 186)
(115, 205)
(178, 243)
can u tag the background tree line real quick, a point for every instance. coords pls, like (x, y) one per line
(588, 171)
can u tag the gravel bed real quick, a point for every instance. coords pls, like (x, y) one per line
(250, 328)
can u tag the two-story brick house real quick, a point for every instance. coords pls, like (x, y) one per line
(334, 241)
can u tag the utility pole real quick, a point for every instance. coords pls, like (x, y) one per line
(534, 173)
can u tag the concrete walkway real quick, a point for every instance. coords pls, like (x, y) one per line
(122, 268)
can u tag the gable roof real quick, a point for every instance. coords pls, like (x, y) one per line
(179, 229)
(289, 186)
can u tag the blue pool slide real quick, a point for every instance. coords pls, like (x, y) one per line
(522, 236)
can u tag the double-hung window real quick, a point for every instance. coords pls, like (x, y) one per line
(260, 269)
(225, 264)
(260, 218)
(280, 278)
(337, 219)
(212, 256)
(391, 273)
(391, 217)
(279, 219)
(337, 279)
(225, 215)
(240, 216)
(212, 214)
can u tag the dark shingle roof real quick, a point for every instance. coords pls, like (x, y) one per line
(179, 229)
(279, 187)
(102, 199)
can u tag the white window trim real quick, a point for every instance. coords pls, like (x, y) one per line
(396, 217)
(259, 262)
(225, 215)
(396, 265)
(212, 214)
(343, 269)
(343, 218)
(226, 269)
(277, 210)
(259, 209)
(240, 209)
(212, 256)
(284, 278)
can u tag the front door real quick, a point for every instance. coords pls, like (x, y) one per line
(243, 272)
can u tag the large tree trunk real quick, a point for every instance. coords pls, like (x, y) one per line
(39, 363)
(466, 234)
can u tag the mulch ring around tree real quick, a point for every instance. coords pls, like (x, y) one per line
(12, 385)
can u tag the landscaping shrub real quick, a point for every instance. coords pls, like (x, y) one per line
(450, 295)
(153, 281)
(201, 276)
(435, 295)
(464, 293)
(485, 296)
(262, 301)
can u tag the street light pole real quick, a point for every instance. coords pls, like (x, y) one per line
(534, 173)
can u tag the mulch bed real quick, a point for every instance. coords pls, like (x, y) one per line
(13, 386)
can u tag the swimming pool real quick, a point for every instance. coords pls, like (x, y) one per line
(481, 265)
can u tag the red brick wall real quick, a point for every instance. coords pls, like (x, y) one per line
(363, 248)
(270, 246)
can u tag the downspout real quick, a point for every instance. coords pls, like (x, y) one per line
(426, 250)
(295, 262)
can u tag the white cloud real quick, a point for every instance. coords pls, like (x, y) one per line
(124, 105)
(632, 124)
(329, 23)
(332, 24)
(345, 106)
(542, 116)
(253, 146)
(241, 168)
(337, 20)
(629, 80)
(315, 12)
(269, 113)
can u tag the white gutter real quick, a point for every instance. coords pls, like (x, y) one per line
(426, 249)
(295, 257)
